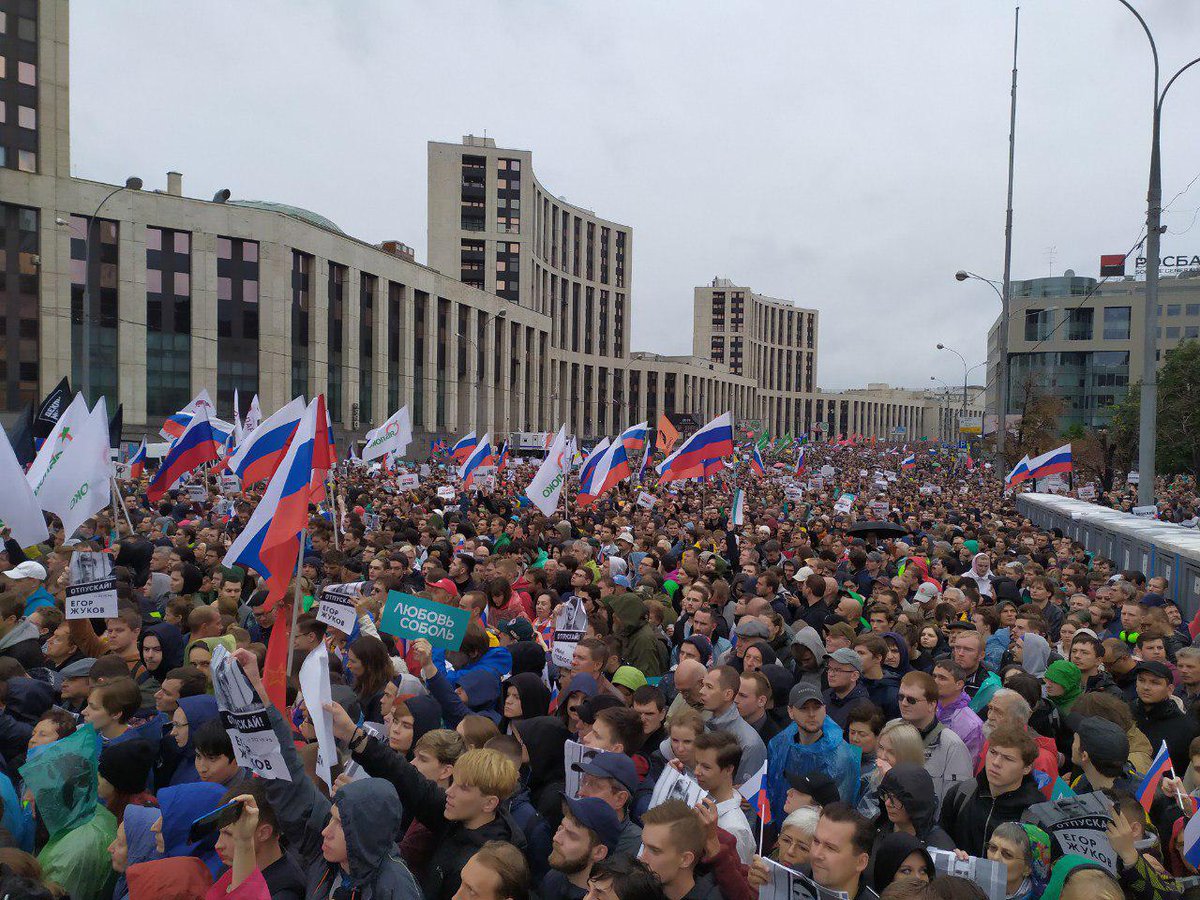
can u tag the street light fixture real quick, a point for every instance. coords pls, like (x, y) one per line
(1148, 420)
(1002, 368)
(132, 183)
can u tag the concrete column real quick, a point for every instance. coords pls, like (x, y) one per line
(379, 352)
(430, 385)
(471, 414)
(408, 389)
(351, 322)
(517, 402)
(318, 359)
(453, 421)
(131, 320)
(489, 373)
(204, 313)
(274, 326)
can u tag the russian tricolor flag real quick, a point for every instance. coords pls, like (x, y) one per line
(137, 463)
(1019, 473)
(1154, 775)
(756, 463)
(502, 458)
(909, 462)
(199, 443)
(479, 456)
(263, 450)
(634, 438)
(588, 469)
(1053, 463)
(800, 463)
(610, 467)
(465, 447)
(713, 441)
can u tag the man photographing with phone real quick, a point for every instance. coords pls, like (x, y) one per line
(252, 831)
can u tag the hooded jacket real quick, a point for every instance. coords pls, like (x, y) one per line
(139, 840)
(370, 815)
(199, 709)
(181, 806)
(829, 753)
(884, 692)
(1165, 721)
(171, 640)
(970, 813)
(891, 850)
(24, 644)
(839, 708)
(544, 738)
(640, 648)
(810, 638)
(1035, 654)
(947, 759)
(533, 694)
(959, 718)
(426, 714)
(182, 878)
(914, 788)
(454, 842)
(482, 689)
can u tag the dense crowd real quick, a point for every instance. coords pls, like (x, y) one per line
(864, 668)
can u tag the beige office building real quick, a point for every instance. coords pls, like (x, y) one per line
(520, 322)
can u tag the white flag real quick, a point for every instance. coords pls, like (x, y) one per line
(253, 415)
(19, 509)
(393, 436)
(314, 686)
(68, 424)
(547, 484)
(77, 483)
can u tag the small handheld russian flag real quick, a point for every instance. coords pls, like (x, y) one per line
(1154, 776)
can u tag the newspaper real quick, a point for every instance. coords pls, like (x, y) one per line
(989, 875)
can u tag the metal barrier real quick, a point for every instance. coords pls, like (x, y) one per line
(1146, 545)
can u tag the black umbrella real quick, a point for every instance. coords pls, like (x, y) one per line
(882, 529)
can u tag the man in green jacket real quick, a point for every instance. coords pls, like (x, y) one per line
(640, 648)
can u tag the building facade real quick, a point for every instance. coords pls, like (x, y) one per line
(520, 322)
(1080, 339)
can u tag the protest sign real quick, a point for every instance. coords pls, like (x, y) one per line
(990, 875)
(1087, 492)
(425, 470)
(880, 509)
(408, 482)
(314, 685)
(197, 493)
(353, 770)
(337, 605)
(646, 501)
(575, 753)
(411, 617)
(1133, 478)
(371, 521)
(229, 483)
(569, 628)
(788, 884)
(844, 503)
(445, 492)
(244, 716)
(92, 593)
(674, 785)
(1078, 825)
(1145, 512)
(827, 471)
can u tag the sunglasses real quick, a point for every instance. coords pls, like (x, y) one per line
(908, 698)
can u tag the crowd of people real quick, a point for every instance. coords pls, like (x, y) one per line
(864, 699)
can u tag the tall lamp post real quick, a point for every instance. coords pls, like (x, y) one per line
(496, 317)
(1002, 367)
(944, 430)
(132, 183)
(1148, 421)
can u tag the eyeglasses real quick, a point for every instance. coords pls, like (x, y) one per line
(908, 698)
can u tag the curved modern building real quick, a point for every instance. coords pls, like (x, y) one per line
(520, 321)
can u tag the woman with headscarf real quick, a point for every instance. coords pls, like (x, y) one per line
(1063, 685)
(1033, 653)
(543, 739)
(191, 713)
(981, 573)
(1024, 851)
(897, 658)
(161, 648)
(525, 697)
(581, 688)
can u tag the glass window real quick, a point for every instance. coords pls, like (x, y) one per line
(154, 281)
(1079, 324)
(1116, 323)
(153, 238)
(27, 73)
(1038, 324)
(26, 160)
(1173, 332)
(224, 288)
(1172, 309)
(183, 242)
(27, 117)
(183, 284)
(224, 248)
(3, 112)
(1191, 331)
(249, 291)
(26, 29)
(249, 251)
(3, 23)
(1192, 309)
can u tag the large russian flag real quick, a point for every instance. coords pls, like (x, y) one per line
(610, 468)
(137, 463)
(909, 462)
(1053, 463)
(756, 463)
(634, 438)
(263, 450)
(479, 456)
(465, 446)
(800, 463)
(199, 444)
(713, 441)
(588, 469)
(1019, 472)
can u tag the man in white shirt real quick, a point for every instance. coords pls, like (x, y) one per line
(718, 755)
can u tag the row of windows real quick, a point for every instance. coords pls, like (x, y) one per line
(1177, 309)
(1042, 324)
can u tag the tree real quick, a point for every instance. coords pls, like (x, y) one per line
(1039, 428)
(1177, 436)
(1094, 452)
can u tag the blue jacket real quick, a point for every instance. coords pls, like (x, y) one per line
(830, 754)
(496, 659)
(39, 598)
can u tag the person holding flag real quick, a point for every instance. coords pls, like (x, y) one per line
(480, 455)
(756, 463)
(137, 462)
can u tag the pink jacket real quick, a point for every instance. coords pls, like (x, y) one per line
(253, 888)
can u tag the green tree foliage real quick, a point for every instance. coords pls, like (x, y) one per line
(1178, 431)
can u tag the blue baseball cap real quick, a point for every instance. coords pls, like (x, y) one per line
(597, 816)
(610, 765)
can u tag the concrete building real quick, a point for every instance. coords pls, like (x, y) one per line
(520, 322)
(1081, 339)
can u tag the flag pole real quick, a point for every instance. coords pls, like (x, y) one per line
(337, 520)
(295, 603)
(117, 488)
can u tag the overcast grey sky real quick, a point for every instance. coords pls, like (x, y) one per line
(848, 156)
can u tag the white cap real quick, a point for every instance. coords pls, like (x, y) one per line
(27, 569)
(926, 592)
(626, 536)
(802, 573)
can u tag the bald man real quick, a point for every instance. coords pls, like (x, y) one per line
(689, 675)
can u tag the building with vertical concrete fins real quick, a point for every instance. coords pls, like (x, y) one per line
(519, 322)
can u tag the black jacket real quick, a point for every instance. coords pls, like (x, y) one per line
(970, 814)
(839, 708)
(455, 843)
(1165, 721)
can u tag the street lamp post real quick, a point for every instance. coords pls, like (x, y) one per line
(1148, 421)
(944, 429)
(496, 317)
(964, 362)
(1002, 340)
(132, 183)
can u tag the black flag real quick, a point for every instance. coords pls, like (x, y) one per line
(114, 427)
(20, 435)
(52, 407)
